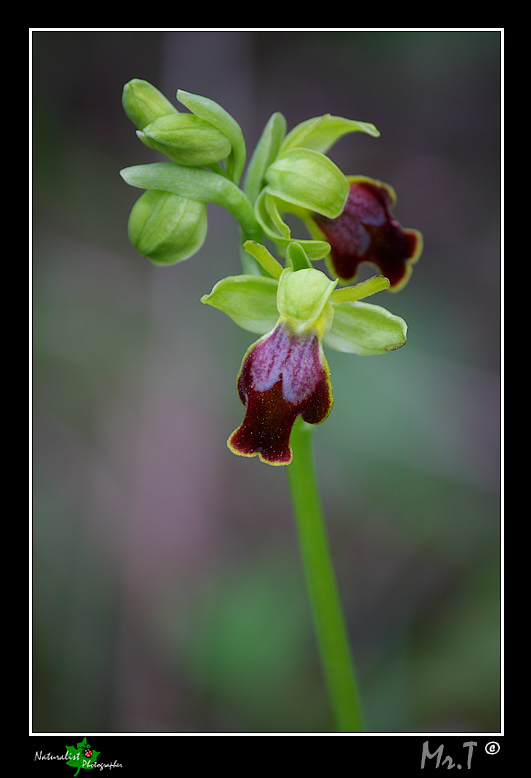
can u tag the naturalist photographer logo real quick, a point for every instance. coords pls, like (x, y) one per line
(81, 757)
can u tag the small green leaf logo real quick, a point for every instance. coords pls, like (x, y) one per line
(83, 756)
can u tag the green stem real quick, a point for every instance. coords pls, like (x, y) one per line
(331, 632)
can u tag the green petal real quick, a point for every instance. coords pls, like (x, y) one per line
(321, 133)
(263, 256)
(363, 328)
(250, 301)
(296, 257)
(358, 291)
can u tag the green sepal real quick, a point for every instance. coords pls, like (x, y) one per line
(310, 180)
(264, 257)
(267, 213)
(359, 291)
(167, 228)
(249, 300)
(364, 329)
(212, 112)
(143, 103)
(321, 133)
(264, 154)
(303, 294)
(186, 139)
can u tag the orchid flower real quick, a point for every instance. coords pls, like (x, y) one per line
(285, 374)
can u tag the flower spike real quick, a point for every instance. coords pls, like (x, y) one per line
(293, 307)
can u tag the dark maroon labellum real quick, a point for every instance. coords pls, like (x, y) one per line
(367, 231)
(283, 375)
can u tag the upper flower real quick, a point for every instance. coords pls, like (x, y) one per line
(348, 217)
(291, 173)
(285, 373)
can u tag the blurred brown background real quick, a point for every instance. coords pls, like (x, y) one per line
(168, 592)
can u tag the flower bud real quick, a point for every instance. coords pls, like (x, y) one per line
(308, 179)
(186, 139)
(143, 103)
(166, 227)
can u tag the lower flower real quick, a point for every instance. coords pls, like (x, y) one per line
(283, 375)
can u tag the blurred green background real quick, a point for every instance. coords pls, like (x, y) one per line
(168, 592)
